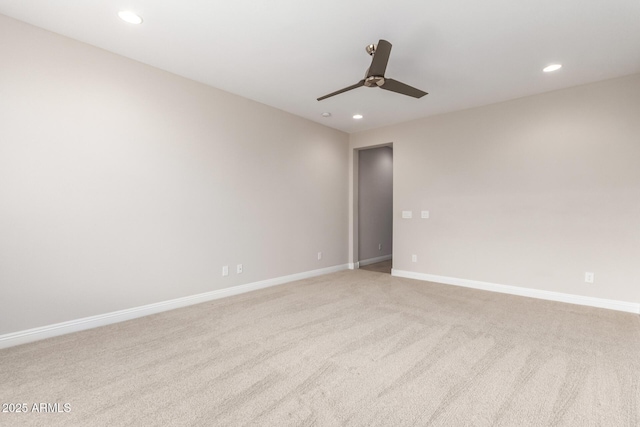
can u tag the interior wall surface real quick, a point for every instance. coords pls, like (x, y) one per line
(533, 192)
(123, 185)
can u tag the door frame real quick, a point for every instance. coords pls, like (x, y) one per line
(354, 212)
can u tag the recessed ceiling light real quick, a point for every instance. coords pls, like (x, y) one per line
(327, 114)
(552, 67)
(130, 17)
(357, 116)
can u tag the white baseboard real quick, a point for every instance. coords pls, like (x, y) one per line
(354, 265)
(525, 292)
(35, 334)
(374, 260)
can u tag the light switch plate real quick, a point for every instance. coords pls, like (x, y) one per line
(407, 214)
(424, 214)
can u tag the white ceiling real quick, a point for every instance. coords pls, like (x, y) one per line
(287, 53)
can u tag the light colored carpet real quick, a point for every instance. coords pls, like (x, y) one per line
(379, 267)
(353, 348)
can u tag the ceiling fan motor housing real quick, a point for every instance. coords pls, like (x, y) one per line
(374, 81)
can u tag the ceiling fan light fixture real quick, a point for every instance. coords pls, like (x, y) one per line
(130, 17)
(357, 116)
(552, 67)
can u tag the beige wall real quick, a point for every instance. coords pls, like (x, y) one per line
(123, 185)
(532, 192)
(375, 202)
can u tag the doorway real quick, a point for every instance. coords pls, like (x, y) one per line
(375, 209)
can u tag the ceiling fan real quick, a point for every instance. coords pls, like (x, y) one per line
(375, 74)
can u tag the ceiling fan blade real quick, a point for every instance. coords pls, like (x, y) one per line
(357, 85)
(399, 87)
(380, 59)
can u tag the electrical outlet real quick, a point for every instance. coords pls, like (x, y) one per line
(424, 214)
(319, 256)
(239, 269)
(414, 258)
(225, 270)
(589, 277)
(379, 246)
